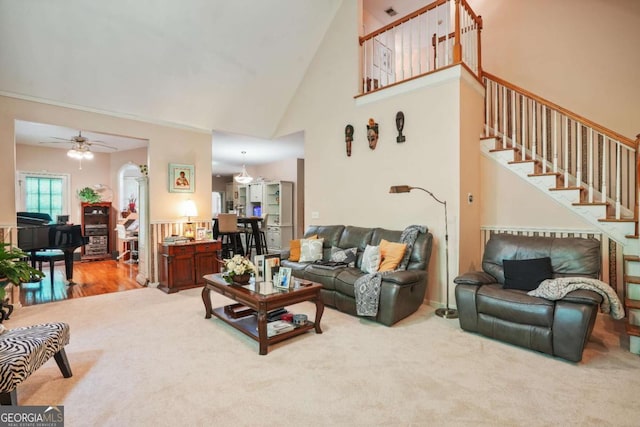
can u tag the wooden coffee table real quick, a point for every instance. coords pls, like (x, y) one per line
(250, 315)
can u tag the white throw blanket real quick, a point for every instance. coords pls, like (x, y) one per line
(555, 289)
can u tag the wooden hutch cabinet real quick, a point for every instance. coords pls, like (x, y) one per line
(96, 225)
(182, 265)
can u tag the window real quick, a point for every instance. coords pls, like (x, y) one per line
(44, 193)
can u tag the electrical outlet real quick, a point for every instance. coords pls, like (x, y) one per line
(470, 198)
(315, 215)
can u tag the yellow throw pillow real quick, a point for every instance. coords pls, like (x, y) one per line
(294, 248)
(391, 254)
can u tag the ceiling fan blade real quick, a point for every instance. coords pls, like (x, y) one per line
(101, 145)
(61, 139)
(54, 142)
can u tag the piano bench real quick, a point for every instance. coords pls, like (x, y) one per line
(51, 257)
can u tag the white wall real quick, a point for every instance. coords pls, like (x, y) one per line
(355, 190)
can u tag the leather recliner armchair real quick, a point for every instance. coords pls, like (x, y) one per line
(559, 328)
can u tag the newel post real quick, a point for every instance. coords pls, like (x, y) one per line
(637, 207)
(457, 46)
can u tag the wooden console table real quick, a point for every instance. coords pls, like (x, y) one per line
(183, 265)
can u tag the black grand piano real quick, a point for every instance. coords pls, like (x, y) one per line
(36, 232)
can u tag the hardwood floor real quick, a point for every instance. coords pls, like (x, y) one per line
(89, 278)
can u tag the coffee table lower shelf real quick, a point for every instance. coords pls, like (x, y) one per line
(248, 325)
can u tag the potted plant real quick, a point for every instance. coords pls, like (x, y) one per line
(14, 268)
(89, 195)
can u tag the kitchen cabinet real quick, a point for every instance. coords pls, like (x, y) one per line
(277, 206)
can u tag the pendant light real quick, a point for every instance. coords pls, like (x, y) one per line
(244, 177)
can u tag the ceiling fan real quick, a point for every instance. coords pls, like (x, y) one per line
(81, 146)
(80, 143)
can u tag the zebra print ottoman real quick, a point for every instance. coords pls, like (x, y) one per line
(23, 350)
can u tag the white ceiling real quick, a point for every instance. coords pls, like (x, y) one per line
(50, 136)
(227, 66)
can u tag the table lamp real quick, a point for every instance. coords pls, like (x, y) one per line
(447, 313)
(189, 209)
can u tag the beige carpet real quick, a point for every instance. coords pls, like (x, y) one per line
(143, 358)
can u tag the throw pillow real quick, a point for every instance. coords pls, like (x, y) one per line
(526, 274)
(370, 259)
(294, 248)
(347, 256)
(311, 250)
(391, 254)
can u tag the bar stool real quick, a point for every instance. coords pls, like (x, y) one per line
(229, 235)
(129, 243)
(250, 237)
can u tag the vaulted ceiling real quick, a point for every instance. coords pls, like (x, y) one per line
(227, 66)
(210, 64)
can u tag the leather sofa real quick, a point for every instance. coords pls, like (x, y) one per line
(402, 292)
(560, 328)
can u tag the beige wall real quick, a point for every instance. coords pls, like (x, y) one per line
(31, 158)
(355, 190)
(166, 145)
(580, 54)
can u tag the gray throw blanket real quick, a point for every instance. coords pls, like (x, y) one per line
(555, 289)
(367, 286)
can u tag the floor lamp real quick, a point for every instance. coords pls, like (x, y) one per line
(447, 313)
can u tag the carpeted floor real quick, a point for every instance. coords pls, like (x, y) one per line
(142, 357)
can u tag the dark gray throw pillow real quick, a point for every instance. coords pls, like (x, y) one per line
(526, 274)
(348, 256)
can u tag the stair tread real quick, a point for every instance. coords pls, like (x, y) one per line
(566, 188)
(633, 330)
(632, 279)
(632, 303)
(617, 220)
(632, 236)
(544, 174)
(590, 204)
(503, 149)
(635, 258)
(513, 162)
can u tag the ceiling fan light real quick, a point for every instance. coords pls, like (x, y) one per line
(74, 154)
(87, 155)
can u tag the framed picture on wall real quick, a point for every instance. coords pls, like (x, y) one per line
(181, 178)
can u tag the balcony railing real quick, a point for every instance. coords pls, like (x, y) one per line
(441, 34)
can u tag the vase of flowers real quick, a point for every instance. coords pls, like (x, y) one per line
(238, 269)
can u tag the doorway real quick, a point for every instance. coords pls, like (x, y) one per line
(111, 168)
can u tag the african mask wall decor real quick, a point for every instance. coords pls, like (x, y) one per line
(400, 126)
(372, 134)
(348, 137)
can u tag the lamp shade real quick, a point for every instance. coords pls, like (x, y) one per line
(189, 209)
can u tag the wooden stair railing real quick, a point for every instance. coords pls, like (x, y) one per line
(584, 154)
(421, 43)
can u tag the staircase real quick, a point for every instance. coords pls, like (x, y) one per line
(585, 167)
